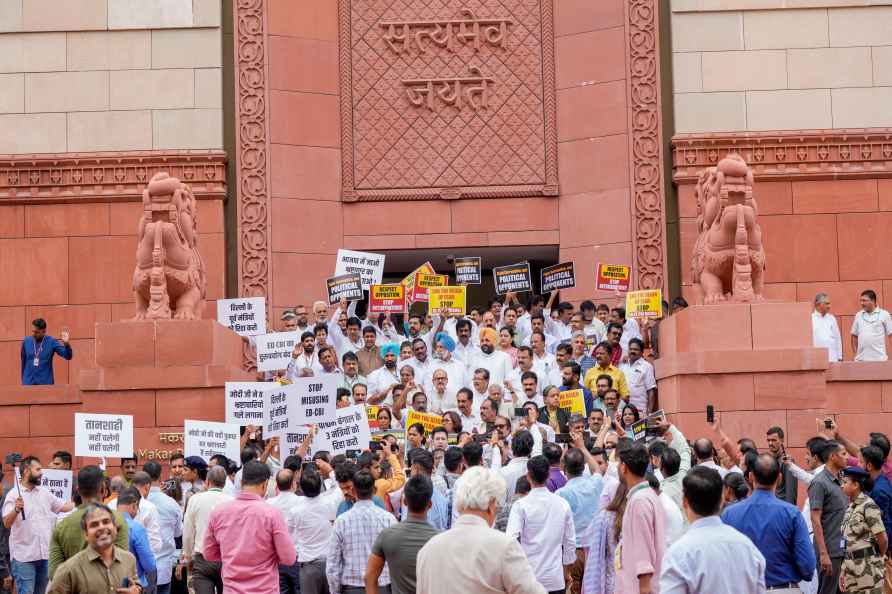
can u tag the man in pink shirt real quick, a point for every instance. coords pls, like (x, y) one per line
(250, 537)
(30, 512)
(640, 553)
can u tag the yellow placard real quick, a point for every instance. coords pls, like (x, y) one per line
(425, 268)
(429, 420)
(453, 299)
(423, 283)
(573, 401)
(644, 304)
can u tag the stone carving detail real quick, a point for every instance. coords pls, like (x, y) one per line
(444, 33)
(30, 179)
(251, 133)
(796, 154)
(728, 259)
(646, 158)
(457, 92)
(415, 125)
(169, 280)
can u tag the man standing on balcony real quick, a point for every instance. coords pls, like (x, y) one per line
(825, 330)
(37, 354)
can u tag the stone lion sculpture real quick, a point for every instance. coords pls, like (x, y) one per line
(728, 260)
(169, 280)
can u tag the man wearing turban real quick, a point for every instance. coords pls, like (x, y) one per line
(444, 347)
(382, 380)
(497, 363)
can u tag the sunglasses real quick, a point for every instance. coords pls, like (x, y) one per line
(501, 426)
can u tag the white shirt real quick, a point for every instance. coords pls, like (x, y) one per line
(303, 361)
(674, 519)
(640, 378)
(465, 353)
(551, 342)
(310, 524)
(825, 333)
(517, 384)
(422, 369)
(469, 422)
(497, 363)
(284, 501)
(438, 403)
(630, 331)
(595, 329)
(456, 376)
(148, 518)
(537, 436)
(543, 524)
(558, 329)
(871, 330)
(512, 471)
(712, 558)
(381, 379)
(710, 464)
(198, 512)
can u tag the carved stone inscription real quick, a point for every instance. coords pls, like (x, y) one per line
(447, 99)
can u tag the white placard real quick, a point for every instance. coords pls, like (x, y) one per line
(369, 266)
(289, 442)
(348, 431)
(245, 316)
(58, 482)
(207, 438)
(274, 350)
(103, 436)
(306, 401)
(245, 402)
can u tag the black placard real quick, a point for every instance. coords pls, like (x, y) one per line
(559, 276)
(345, 286)
(512, 279)
(467, 270)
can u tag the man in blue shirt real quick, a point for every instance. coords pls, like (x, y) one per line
(438, 512)
(37, 354)
(128, 504)
(570, 374)
(882, 491)
(775, 527)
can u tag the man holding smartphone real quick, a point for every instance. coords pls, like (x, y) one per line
(788, 488)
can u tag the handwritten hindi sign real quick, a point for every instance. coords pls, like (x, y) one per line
(290, 441)
(245, 402)
(468, 270)
(613, 277)
(103, 436)
(573, 401)
(453, 299)
(512, 279)
(207, 438)
(644, 304)
(274, 350)
(58, 482)
(423, 282)
(367, 265)
(347, 430)
(346, 286)
(387, 299)
(245, 317)
(559, 276)
(429, 420)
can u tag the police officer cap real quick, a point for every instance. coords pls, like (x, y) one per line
(855, 472)
(195, 462)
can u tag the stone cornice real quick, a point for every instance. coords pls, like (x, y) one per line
(98, 177)
(788, 155)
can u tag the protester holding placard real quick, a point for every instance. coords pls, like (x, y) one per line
(29, 513)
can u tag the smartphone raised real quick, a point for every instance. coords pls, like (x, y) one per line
(710, 414)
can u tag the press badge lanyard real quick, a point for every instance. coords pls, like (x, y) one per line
(37, 352)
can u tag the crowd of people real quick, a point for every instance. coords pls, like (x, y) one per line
(512, 492)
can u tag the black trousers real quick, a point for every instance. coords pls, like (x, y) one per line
(206, 576)
(289, 579)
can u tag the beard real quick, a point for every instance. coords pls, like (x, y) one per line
(567, 382)
(487, 348)
(34, 480)
(309, 350)
(390, 364)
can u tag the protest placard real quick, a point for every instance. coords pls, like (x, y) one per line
(423, 283)
(512, 279)
(559, 276)
(245, 402)
(274, 350)
(371, 411)
(573, 401)
(305, 401)
(207, 438)
(346, 286)
(429, 420)
(468, 270)
(387, 299)
(103, 436)
(245, 316)
(378, 434)
(452, 299)
(613, 277)
(58, 482)
(409, 281)
(367, 265)
(644, 304)
(290, 441)
(347, 430)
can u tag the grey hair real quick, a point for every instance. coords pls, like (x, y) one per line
(478, 487)
(821, 298)
(217, 476)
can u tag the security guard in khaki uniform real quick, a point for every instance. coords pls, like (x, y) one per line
(864, 534)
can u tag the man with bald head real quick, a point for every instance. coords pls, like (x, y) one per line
(285, 500)
(776, 528)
